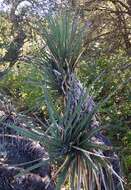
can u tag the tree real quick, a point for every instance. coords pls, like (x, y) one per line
(18, 14)
(108, 23)
(73, 137)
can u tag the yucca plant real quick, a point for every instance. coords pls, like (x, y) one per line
(76, 150)
(64, 38)
(82, 156)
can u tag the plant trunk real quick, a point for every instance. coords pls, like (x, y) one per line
(77, 91)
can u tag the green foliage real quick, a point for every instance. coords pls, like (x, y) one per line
(69, 145)
(64, 39)
(22, 84)
(102, 76)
